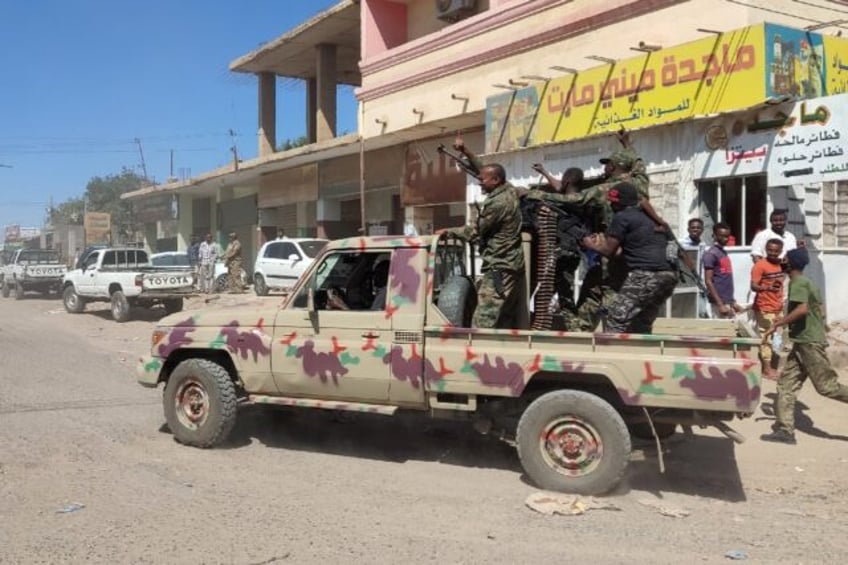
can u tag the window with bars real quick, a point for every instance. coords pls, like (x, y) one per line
(740, 202)
(835, 214)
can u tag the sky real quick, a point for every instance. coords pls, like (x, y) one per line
(83, 79)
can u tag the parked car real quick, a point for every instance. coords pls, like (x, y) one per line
(179, 259)
(37, 270)
(125, 277)
(280, 263)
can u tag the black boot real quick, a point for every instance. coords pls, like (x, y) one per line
(780, 436)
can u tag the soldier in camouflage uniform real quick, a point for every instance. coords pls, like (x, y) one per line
(603, 280)
(233, 261)
(650, 278)
(808, 358)
(501, 294)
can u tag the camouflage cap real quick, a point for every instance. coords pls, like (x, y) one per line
(623, 159)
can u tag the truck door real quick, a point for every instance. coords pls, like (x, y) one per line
(339, 349)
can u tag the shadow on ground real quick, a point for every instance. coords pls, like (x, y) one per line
(803, 422)
(695, 465)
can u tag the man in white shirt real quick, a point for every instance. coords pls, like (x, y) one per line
(207, 256)
(777, 231)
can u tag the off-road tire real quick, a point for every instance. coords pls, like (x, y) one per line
(259, 286)
(457, 301)
(173, 305)
(73, 302)
(19, 291)
(642, 430)
(206, 380)
(120, 307)
(221, 283)
(574, 415)
(7, 290)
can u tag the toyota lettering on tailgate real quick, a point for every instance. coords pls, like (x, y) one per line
(46, 270)
(167, 281)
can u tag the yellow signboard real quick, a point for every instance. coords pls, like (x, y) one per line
(836, 64)
(708, 76)
(719, 73)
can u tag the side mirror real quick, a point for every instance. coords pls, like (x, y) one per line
(294, 257)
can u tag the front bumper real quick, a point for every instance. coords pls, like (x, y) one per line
(147, 371)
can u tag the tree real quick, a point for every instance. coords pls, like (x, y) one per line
(102, 194)
(292, 143)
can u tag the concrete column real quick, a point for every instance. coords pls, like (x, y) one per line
(267, 113)
(326, 92)
(311, 109)
(185, 222)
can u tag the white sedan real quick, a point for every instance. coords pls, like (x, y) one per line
(280, 262)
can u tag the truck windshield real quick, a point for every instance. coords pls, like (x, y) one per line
(38, 257)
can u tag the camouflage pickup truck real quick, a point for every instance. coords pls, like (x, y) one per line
(570, 402)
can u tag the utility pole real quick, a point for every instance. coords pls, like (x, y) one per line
(234, 149)
(141, 154)
(171, 174)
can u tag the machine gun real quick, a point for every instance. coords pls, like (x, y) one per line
(460, 161)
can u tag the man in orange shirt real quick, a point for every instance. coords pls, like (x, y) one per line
(767, 280)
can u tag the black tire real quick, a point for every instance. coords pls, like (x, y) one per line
(120, 307)
(19, 291)
(259, 286)
(7, 290)
(642, 430)
(457, 301)
(586, 422)
(200, 403)
(173, 305)
(74, 304)
(222, 282)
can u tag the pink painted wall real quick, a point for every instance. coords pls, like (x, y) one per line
(383, 26)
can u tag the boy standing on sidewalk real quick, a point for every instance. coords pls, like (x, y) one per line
(808, 357)
(767, 282)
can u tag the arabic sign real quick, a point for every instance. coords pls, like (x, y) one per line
(810, 147)
(836, 64)
(794, 62)
(98, 227)
(703, 77)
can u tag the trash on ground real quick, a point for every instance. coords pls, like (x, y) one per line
(664, 510)
(736, 555)
(550, 503)
(72, 507)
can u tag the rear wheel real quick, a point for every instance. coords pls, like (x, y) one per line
(573, 441)
(259, 285)
(173, 305)
(120, 307)
(222, 282)
(74, 304)
(200, 403)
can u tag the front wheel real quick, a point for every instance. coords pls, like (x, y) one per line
(19, 291)
(573, 441)
(259, 286)
(74, 304)
(200, 403)
(7, 290)
(222, 282)
(120, 307)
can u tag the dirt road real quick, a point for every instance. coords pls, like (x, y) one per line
(301, 487)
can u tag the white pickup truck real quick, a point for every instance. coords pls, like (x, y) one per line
(124, 277)
(32, 270)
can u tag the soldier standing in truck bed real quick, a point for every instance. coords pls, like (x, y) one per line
(501, 295)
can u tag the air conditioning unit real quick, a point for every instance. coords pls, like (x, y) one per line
(454, 10)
